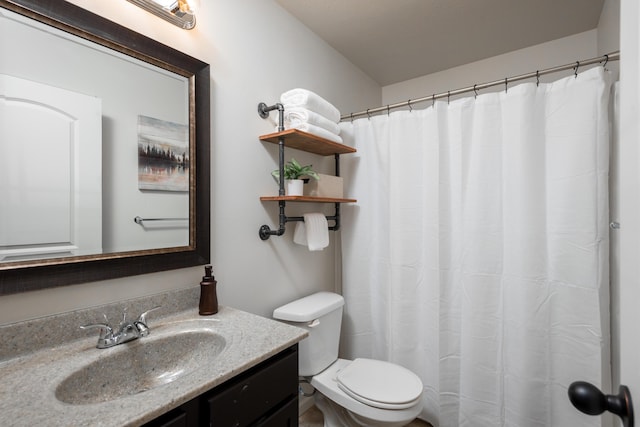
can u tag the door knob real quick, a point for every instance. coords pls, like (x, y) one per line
(589, 399)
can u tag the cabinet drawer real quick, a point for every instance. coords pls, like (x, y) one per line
(176, 420)
(260, 390)
(183, 416)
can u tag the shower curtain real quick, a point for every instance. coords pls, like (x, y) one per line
(477, 254)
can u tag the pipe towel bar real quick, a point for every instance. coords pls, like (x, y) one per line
(265, 231)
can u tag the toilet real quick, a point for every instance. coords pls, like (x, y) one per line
(362, 392)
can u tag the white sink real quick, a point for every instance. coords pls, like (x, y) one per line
(140, 365)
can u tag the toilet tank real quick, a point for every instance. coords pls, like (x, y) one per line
(321, 315)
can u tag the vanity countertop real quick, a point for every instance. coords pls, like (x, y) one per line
(29, 381)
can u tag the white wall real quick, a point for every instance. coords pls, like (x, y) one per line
(546, 55)
(609, 27)
(609, 41)
(256, 51)
(629, 236)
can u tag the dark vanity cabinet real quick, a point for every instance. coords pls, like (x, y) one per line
(263, 396)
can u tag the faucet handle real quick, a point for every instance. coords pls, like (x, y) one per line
(141, 323)
(123, 322)
(143, 316)
(105, 330)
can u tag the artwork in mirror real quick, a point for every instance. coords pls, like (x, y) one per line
(80, 99)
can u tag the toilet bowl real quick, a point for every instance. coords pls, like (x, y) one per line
(369, 406)
(362, 392)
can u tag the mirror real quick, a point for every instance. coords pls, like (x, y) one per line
(114, 180)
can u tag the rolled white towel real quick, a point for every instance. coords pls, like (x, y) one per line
(296, 116)
(304, 98)
(318, 131)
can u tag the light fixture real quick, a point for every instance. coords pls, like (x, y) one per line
(178, 12)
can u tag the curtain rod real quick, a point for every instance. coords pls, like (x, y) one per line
(614, 56)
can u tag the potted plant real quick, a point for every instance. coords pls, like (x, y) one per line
(293, 173)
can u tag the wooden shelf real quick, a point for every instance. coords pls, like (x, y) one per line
(294, 138)
(304, 141)
(306, 199)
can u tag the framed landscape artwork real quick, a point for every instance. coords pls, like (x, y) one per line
(163, 155)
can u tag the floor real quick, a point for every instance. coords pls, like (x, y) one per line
(313, 418)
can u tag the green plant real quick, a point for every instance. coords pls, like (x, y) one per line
(293, 170)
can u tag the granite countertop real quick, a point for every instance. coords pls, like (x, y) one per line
(33, 371)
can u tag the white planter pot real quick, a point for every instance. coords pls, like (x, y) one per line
(294, 187)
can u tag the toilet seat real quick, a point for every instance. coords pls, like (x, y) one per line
(326, 384)
(380, 384)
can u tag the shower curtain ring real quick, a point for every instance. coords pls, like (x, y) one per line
(448, 96)
(475, 91)
(433, 100)
(575, 70)
(537, 77)
(351, 117)
(506, 86)
(606, 60)
(409, 105)
(368, 115)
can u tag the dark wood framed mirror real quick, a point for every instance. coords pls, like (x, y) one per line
(26, 273)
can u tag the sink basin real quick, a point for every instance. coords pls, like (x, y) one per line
(140, 365)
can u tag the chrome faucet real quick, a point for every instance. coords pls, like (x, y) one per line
(126, 331)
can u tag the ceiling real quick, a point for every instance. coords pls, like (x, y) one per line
(396, 40)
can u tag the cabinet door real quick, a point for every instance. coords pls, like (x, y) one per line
(287, 416)
(263, 389)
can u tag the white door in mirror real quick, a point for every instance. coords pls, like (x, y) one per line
(50, 173)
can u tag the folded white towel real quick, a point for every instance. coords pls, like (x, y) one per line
(296, 115)
(312, 232)
(304, 98)
(318, 131)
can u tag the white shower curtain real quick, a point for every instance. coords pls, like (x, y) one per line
(477, 254)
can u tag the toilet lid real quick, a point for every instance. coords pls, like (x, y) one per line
(380, 384)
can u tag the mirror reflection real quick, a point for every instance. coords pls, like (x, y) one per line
(104, 150)
(90, 140)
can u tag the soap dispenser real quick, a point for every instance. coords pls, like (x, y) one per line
(208, 296)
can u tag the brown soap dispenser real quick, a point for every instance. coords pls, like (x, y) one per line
(208, 296)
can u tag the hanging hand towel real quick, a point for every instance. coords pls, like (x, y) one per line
(313, 232)
(306, 99)
(300, 234)
(297, 115)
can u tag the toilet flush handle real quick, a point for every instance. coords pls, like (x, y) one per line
(314, 323)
